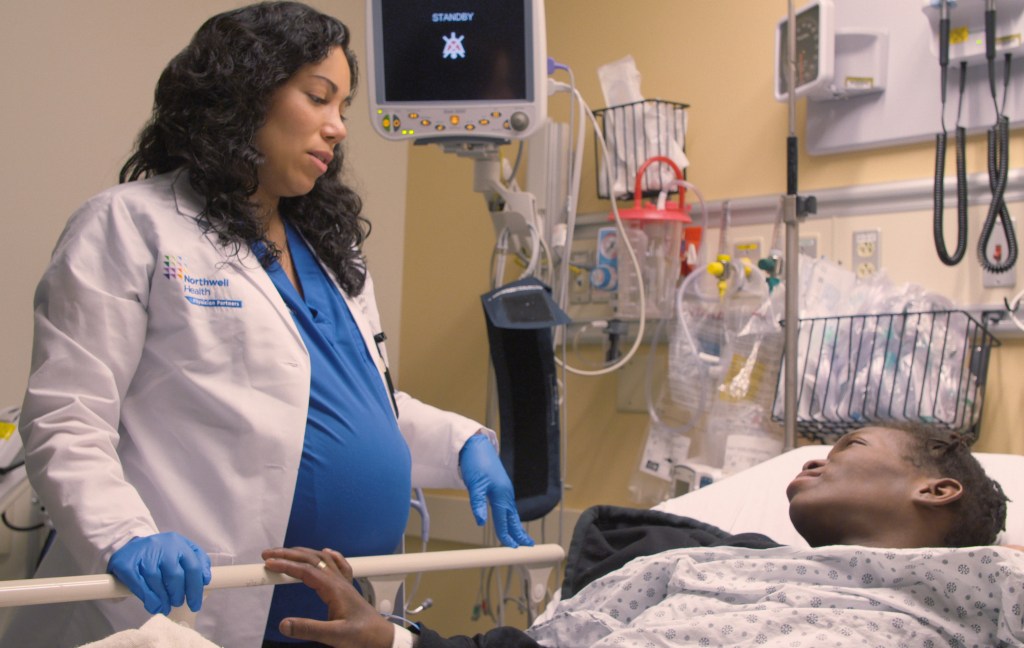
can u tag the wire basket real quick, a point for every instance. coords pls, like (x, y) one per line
(634, 133)
(857, 370)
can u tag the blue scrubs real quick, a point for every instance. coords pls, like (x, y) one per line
(353, 487)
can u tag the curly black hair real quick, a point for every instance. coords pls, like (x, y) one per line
(210, 101)
(981, 510)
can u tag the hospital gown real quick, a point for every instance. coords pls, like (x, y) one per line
(788, 596)
(630, 582)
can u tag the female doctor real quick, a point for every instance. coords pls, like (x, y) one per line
(208, 375)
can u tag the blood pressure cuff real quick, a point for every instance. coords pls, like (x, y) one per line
(520, 316)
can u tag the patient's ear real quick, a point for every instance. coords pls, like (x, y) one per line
(939, 491)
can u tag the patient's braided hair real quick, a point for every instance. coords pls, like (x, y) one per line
(981, 510)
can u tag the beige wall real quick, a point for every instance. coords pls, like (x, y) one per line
(78, 81)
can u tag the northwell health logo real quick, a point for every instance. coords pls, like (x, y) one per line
(198, 291)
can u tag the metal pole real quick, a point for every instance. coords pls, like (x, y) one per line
(792, 258)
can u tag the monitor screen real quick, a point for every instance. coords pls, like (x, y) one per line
(442, 68)
(434, 55)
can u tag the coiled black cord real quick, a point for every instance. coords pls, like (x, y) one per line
(961, 177)
(998, 165)
(998, 169)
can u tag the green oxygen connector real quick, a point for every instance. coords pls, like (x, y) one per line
(772, 267)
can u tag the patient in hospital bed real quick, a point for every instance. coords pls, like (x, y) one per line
(899, 524)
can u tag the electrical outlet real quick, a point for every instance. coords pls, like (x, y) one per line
(867, 252)
(996, 251)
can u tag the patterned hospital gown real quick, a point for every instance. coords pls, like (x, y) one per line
(797, 597)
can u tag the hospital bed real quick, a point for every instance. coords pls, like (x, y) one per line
(750, 501)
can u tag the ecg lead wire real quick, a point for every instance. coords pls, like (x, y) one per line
(998, 158)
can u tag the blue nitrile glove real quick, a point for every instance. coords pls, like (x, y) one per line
(485, 480)
(163, 570)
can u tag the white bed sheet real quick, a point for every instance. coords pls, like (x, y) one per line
(755, 499)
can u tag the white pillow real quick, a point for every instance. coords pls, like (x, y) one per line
(755, 499)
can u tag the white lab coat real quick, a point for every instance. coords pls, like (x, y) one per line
(146, 412)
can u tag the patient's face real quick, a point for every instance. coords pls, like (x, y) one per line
(863, 485)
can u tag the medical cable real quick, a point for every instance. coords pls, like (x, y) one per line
(535, 252)
(14, 527)
(574, 176)
(621, 362)
(515, 165)
(575, 165)
(419, 504)
(998, 158)
(941, 142)
(498, 256)
(6, 469)
(1011, 309)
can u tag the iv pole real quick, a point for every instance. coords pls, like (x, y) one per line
(794, 209)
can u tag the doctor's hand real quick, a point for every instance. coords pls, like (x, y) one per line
(486, 480)
(351, 620)
(163, 570)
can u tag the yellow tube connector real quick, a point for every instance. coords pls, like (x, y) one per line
(721, 269)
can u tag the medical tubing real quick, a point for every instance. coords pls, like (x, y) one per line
(573, 190)
(498, 255)
(515, 165)
(621, 362)
(998, 169)
(690, 278)
(702, 403)
(725, 226)
(1011, 309)
(419, 504)
(652, 409)
(678, 182)
(548, 273)
(6, 469)
(535, 252)
(14, 527)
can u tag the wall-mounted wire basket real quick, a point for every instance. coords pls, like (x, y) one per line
(857, 370)
(634, 133)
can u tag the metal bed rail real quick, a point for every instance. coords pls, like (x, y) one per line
(384, 573)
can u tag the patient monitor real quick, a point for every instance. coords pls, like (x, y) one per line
(442, 69)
